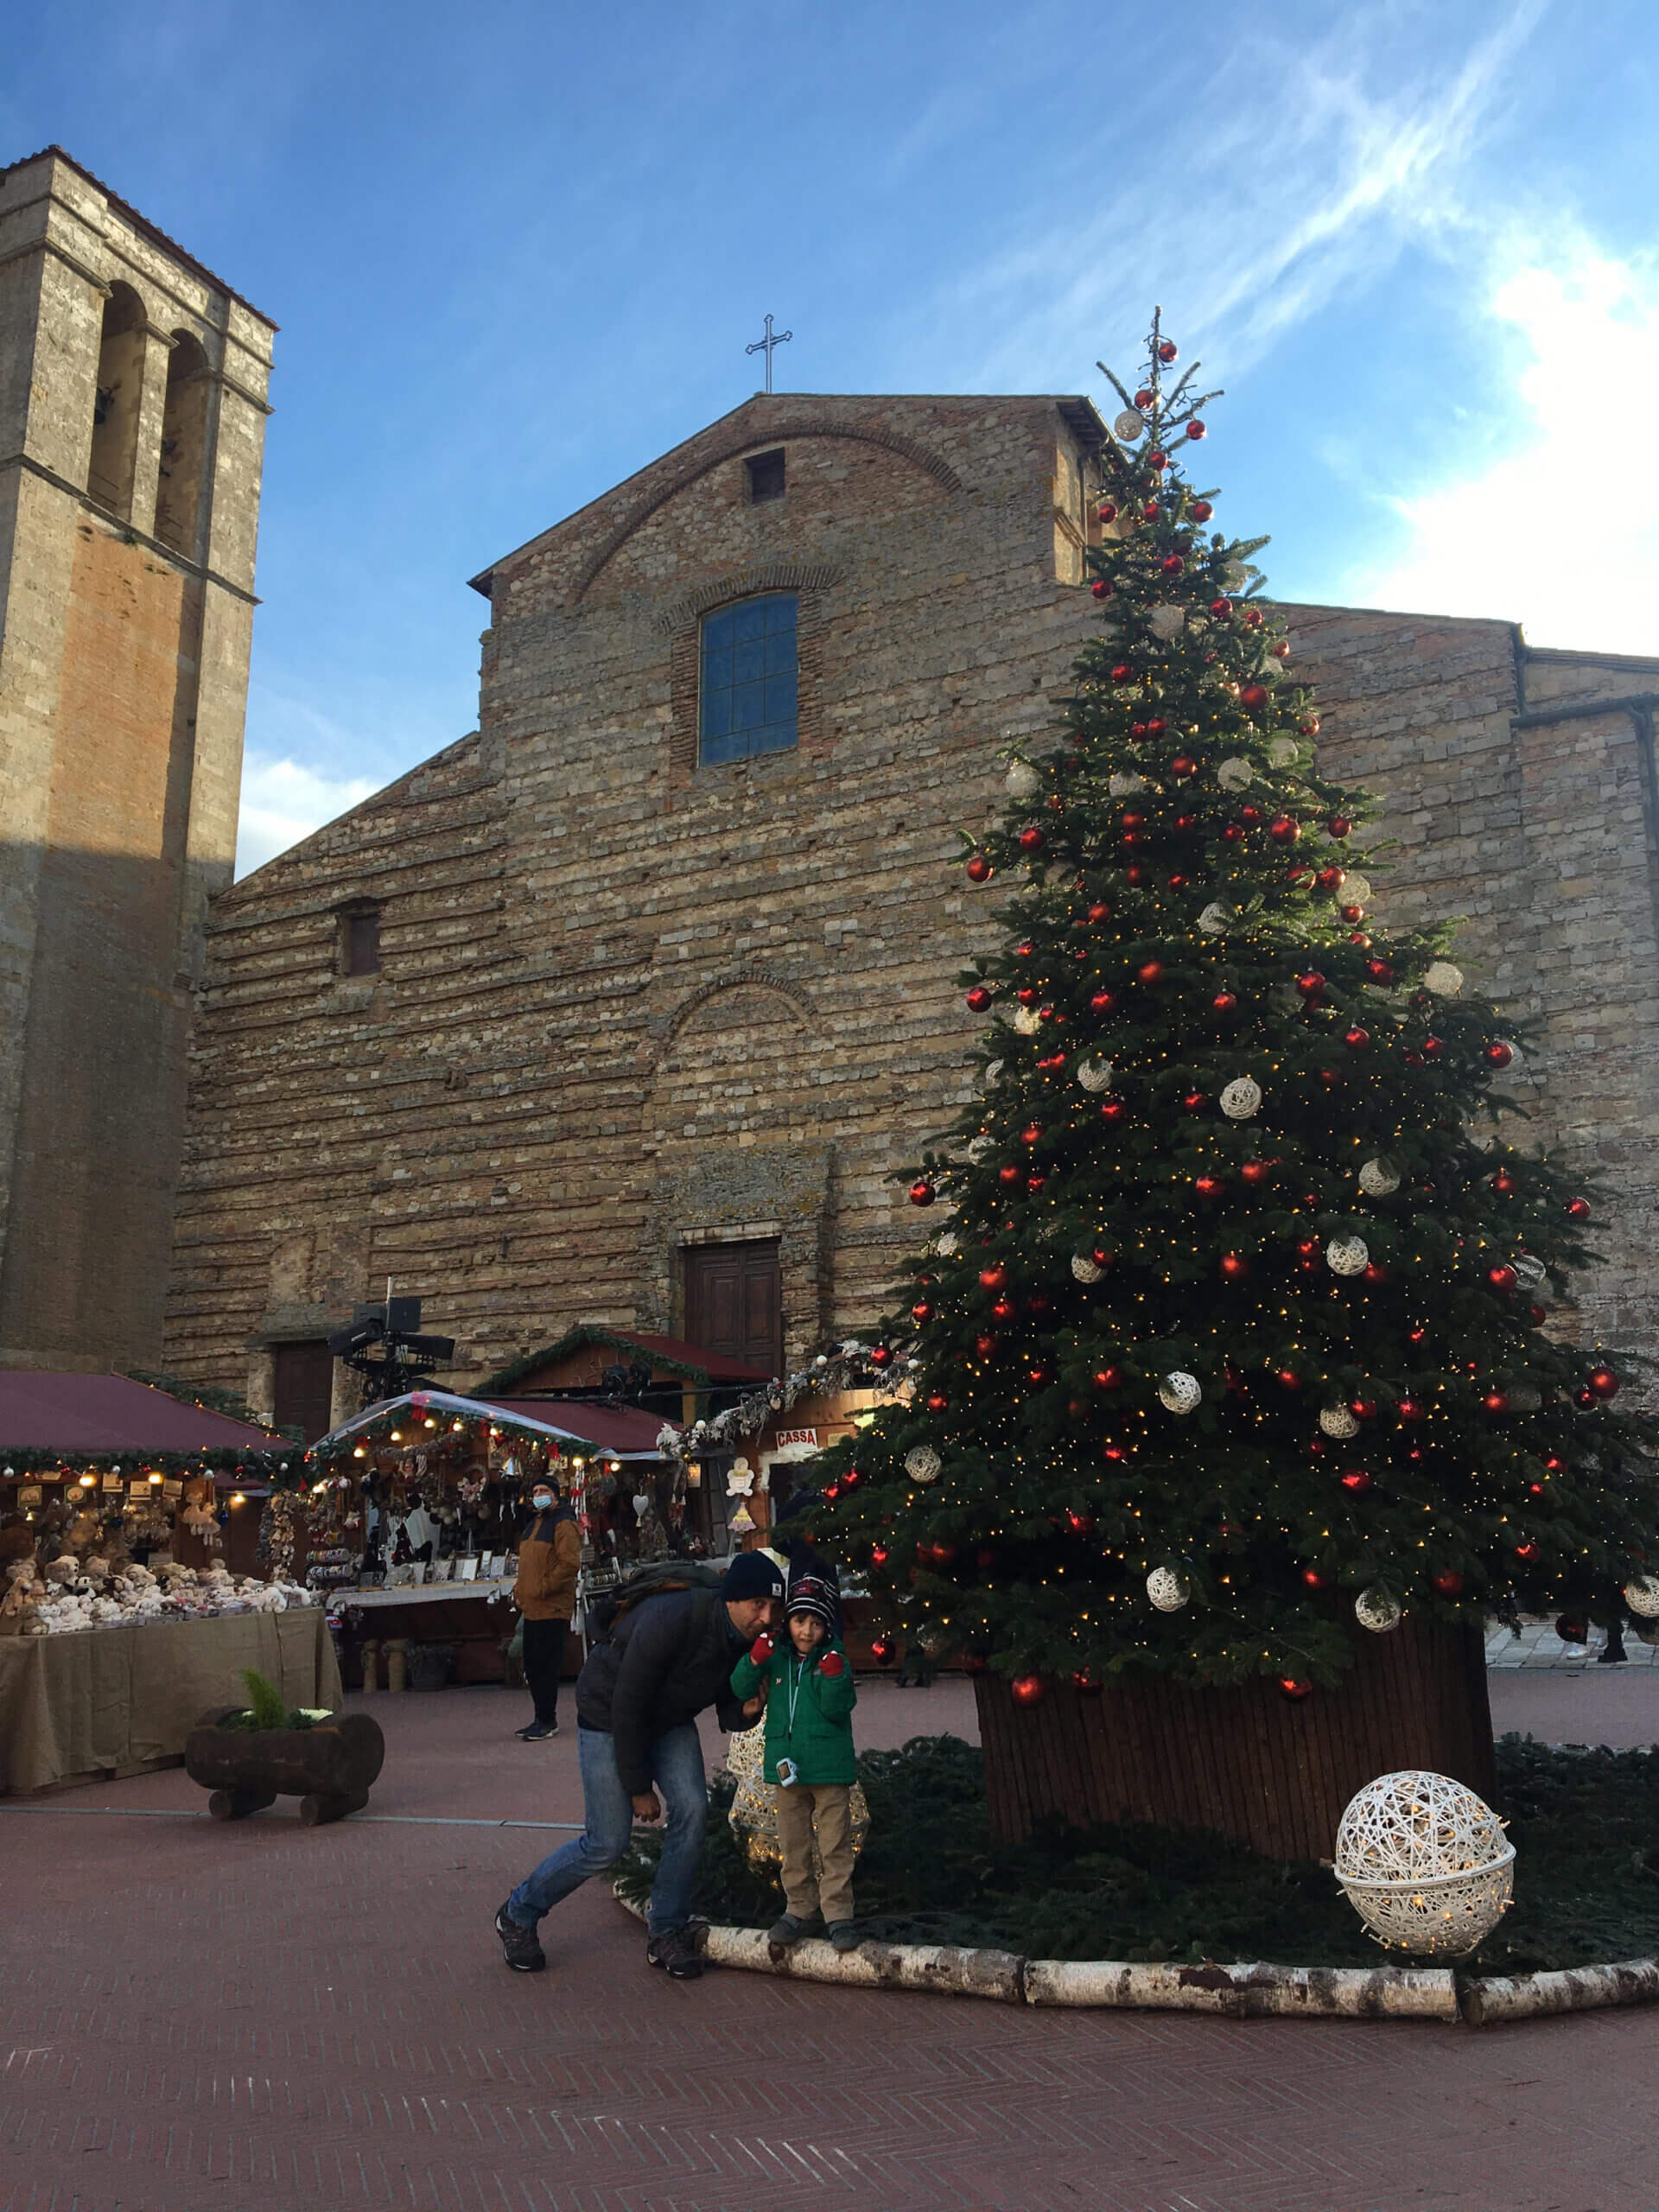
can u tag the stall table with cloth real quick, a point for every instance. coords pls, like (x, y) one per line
(116, 1700)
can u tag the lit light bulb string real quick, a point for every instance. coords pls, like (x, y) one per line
(1065, 1481)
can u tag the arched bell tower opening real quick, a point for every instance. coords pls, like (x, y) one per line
(117, 401)
(184, 445)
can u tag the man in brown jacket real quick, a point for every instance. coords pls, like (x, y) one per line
(545, 1593)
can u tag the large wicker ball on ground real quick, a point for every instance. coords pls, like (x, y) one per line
(753, 1815)
(1424, 1863)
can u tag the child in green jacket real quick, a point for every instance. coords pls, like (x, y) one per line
(809, 1760)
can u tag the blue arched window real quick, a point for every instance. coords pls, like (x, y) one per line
(747, 688)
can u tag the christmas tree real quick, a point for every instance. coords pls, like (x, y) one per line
(1232, 1341)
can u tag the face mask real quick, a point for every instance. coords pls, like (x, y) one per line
(541, 1501)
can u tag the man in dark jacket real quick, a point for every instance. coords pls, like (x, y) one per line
(637, 1702)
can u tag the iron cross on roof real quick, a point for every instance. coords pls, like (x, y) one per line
(765, 345)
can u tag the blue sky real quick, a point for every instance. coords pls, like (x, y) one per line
(516, 252)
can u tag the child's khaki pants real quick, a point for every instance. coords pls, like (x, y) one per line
(827, 1808)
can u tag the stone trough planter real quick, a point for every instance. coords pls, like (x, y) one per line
(330, 1768)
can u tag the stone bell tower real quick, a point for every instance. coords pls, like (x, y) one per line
(132, 420)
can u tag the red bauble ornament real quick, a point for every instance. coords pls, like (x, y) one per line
(1355, 1481)
(878, 1554)
(1310, 727)
(1502, 1278)
(1100, 912)
(1202, 511)
(1010, 1174)
(1409, 1409)
(1113, 1110)
(1448, 1582)
(980, 869)
(1310, 985)
(1363, 1408)
(1503, 1183)
(985, 1346)
(1224, 1003)
(921, 1311)
(1168, 351)
(1026, 995)
(1196, 428)
(1100, 588)
(1107, 1378)
(1256, 1171)
(1577, 1209)
(1374, 1272)
(1294, 1688)
(832, 1491)
(1499, 1055)
(1379, 971)
(1290, 1378)
(1172, 564)
(1234, 1267)
(1340, 826)
(1314, 1579)
(1331, 878)
(1038, 1377)
(1194, 1101)
(922, 1193)
(1184, 765)
(978, 998)
(937, 1402)
(1123, 673)
(883, 1650)
(1527, 1552)
(1221, 608)
(1102, 1002)
(1031, 838)
(1085, 1684)
(1004, 1310)
(1208, 1187)
(1026, 1690)
(1253, 697)
(1106, 512)
(993, 1277)
(1031, 1134)
(1285, 828)
(1432, 1048)
(1034, 1183)
(1495, 1401)
(1604, 1382)
(1308, 1248)
(1356, 1040)
(1150, 972)
(1151, 511)
(1144, 397)
(1081, 1524)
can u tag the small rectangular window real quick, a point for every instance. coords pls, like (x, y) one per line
(766, 475)
(747, 691)
(362, 944)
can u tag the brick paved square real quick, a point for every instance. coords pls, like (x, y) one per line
(275, 2018)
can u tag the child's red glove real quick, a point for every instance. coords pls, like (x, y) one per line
(832, 1663)
(760, 1650)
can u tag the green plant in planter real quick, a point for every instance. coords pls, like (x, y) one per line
(265, 1708)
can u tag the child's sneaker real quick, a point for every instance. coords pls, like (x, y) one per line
(844, 1935)
(790, 1930)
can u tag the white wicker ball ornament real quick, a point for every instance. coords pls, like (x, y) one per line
(1235, 773)
(1168, 621)
(1215, 918)
(992, 1074)
(1376, 1610)
(1168, 1590)
(1443, 979)
(1178, 1392)
(1337, 1420)
(981, 1147)
(1425, 1862)
(1083, 1267)
(923, 1464)
(1642, 1596)
(1129, 425)
(1240, 1098)
(1282, 751)
(1529, 1271)
(1022, 780)
(1378, 1180)
(1095, 1075)
(1125, 786)
(1347, 1256)
(945, 1245)
(1027, 1020)
(1356, 890)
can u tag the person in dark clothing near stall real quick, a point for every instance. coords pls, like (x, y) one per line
(667, 1657)
(545, 1593)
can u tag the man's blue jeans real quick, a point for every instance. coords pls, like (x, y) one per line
(676, 1768)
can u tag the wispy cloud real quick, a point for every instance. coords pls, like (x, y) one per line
(282, 800)
(1297, 173)
(1562, 531)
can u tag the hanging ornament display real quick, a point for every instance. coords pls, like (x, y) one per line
(1379, 1178)
(1215, 918)
(1376, 1610)
(1425, 1864)
(1084, 1268)
(1178, 1392)
(1095, 1075)
(1022, 780)
(1339, 1421)
(981, 1147)
(1282, 751)
(1234, 773)
(923, 1464)
(993, 1075)
(1167, 622)
(1242, 1098)
(1125, 786)
(946, 1242)
(1168, 1590)
(1027, 1020)
(1642, 1596)
(1128, 426)
(1443, 979)
(1355, 890)
(1347, 1256)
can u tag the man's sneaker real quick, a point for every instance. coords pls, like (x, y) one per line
(675, 1951)
(844, 1935)
(522, 1945)
(538, 1732)
(790, 1928)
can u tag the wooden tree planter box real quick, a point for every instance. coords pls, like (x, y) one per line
(1247, 1762)
(330, 1768)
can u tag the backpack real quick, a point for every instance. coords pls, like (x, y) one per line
(605, 1609)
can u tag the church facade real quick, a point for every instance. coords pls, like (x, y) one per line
(633, 1005)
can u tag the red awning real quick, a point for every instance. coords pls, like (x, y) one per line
(612, 1428)
(94, 1414)
(714, 1364)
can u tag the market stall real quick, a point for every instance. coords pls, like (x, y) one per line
(409, 1517)
(130, 1598)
